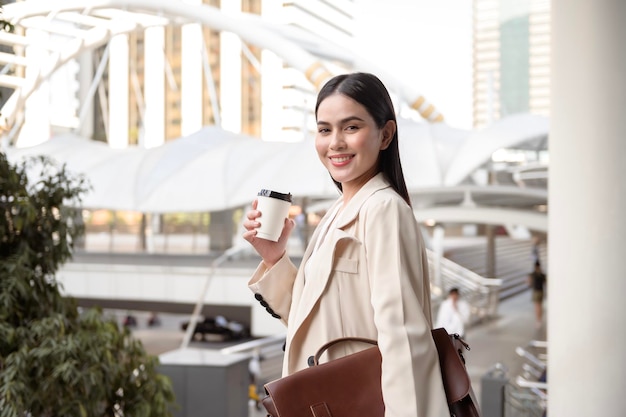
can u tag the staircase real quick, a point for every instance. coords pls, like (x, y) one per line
(513, 261)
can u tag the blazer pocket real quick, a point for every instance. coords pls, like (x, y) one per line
(347, 265)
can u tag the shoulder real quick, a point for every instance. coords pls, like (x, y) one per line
(385, 209)
(386, 199)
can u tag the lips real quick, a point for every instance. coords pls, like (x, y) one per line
(340, 159)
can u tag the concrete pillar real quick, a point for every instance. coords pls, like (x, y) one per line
(85, 76)
(587, 220)
(154, 88)
(191, 67)
(118, 103)
(221, 230)
(230, 73)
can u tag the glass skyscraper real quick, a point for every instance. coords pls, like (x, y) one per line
(511, 58)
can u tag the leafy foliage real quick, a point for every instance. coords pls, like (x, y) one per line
(53, 360)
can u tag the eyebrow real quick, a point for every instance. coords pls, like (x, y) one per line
(342, 121)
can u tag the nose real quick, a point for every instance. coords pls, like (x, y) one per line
(337, 141)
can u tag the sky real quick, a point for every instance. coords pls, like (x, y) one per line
(429, 41)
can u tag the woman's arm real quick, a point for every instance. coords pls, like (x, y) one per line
(411, 377)
(273, 287)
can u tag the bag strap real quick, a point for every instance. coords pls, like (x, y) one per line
(456, 380)
(321, 350)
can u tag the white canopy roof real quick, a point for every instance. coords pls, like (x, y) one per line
(214, 169)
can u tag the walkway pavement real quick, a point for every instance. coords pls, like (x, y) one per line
(491, 342)
(495, 341)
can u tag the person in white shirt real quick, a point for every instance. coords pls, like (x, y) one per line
(454, 313)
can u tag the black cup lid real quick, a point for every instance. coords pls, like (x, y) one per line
(275, 194)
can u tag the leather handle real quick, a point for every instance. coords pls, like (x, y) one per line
(321, 350)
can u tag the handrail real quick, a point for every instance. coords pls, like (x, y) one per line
(525, 383)
(468, 275)
(266, 357)
(254, 345)
(191, 327)
(480, 292)
(534, 360)
(540, 344)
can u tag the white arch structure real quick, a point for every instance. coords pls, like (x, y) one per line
(95, 22)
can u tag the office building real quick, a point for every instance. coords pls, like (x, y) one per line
(511, 58)
(179, 78)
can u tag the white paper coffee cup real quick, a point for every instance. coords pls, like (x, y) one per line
(274, 208)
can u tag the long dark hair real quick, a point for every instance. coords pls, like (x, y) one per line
(367, 90)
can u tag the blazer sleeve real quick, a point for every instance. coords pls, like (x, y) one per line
(273, 287)
(411, 377)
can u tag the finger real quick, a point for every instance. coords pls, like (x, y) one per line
(289, 225)
(251, 224)
(249, 235)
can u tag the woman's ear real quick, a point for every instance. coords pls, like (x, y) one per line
(388, 131)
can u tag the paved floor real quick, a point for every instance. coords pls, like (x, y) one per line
(491, 342)
(495, 341)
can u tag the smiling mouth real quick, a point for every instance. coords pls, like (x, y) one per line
(340, 159)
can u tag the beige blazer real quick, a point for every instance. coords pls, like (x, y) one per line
(369, 279)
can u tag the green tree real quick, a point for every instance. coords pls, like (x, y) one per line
(55, 361)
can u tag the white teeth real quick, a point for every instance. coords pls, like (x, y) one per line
(343, 159)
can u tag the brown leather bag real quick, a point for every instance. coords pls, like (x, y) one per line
(350, 386)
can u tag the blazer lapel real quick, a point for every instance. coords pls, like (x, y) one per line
(352, 209)
(307, 294)
(296, 315)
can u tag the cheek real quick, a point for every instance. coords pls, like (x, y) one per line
(370, 145)
(321, 146)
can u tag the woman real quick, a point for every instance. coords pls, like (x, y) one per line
(365, 272)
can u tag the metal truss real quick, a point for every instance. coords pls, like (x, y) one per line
(57, 32)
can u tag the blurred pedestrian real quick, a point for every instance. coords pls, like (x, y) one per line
(534, 252)
(454, 313)
(130, 320)
(537, 281)
(154, 320)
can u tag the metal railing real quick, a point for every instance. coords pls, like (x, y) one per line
(266, 357)
(522, 402)
(527, 394)
(481, 293)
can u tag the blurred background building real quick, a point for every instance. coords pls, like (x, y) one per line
(148, 86)
(511, 58)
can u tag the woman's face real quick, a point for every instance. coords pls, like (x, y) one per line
(348, 141)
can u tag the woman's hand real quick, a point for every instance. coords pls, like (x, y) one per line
(270, 251)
